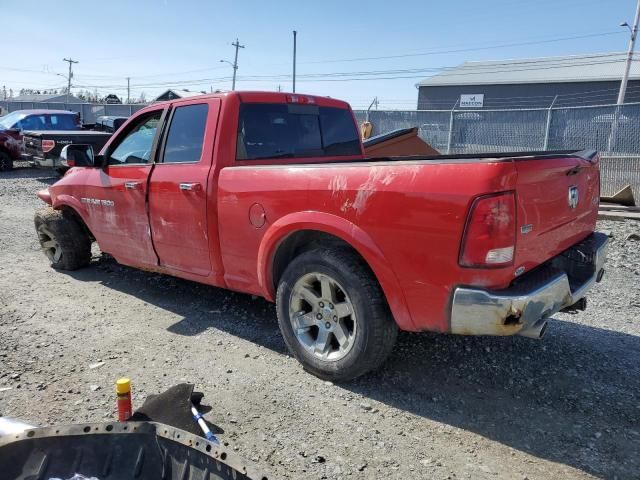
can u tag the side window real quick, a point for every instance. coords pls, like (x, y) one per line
(135, 146)
(60, 122)
(186, 134)
(32, 122)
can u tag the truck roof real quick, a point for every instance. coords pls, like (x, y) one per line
(38, 133)
(40, 111)
(265, 97)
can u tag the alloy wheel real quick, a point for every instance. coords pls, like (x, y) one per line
(322, 316)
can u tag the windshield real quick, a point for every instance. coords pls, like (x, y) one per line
(9, 121)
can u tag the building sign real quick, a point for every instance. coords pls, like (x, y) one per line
(112, 99)
(472, 101)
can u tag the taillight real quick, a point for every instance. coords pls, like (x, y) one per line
(47, 145)
(490, 234)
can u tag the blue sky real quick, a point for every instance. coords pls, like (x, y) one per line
(165, 43)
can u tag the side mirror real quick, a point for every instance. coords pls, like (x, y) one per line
(78, 155)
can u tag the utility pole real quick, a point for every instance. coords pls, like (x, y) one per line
(128, 89)
(69, 77)
(632, 42)
(547, 128)
(294, 60)
(235, 62)
(374, 102)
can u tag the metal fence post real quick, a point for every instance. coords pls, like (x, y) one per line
(614, 129)
(547, 127)
(451, 123)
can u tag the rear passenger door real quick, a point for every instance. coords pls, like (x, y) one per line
(178, 188)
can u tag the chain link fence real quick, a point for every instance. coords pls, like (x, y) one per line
(612, 130)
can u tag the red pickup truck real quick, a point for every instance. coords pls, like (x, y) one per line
(270, 194)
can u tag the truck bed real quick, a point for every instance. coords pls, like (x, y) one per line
(483, 157)
(412, 212)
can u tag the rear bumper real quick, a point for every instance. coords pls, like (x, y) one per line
(46, 162)
(524, 307)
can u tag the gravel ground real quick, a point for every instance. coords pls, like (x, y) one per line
(442, 407)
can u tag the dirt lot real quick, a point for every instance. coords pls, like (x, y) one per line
(442, 407)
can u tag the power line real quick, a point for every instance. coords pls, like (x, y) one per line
(446, 71)
(473, 49)
(364, 75)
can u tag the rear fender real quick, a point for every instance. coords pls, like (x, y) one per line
(349, 233)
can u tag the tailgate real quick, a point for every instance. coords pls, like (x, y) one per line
(557, 199)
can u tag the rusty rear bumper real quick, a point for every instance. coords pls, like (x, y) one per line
(524, 307)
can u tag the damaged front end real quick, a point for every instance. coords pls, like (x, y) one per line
(44, 195)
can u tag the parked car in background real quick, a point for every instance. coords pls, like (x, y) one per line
(43, 148)
(15, 123)
(271, 194)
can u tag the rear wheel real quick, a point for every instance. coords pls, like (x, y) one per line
(63, 240)
(6, 162)
(333, 315)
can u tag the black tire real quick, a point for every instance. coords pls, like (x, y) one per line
(6, 162)
(376, 329)
(72, 248)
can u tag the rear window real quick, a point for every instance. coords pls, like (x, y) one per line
(276, 130)
(61, 122)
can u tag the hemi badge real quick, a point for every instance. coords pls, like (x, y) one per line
(519, 271)
(526, 228)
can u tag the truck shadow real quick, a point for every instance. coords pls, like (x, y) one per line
(572, 398)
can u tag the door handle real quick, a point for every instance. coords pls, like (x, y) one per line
(190, 187)
(132, 185)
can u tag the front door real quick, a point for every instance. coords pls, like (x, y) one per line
(178, 188)
(116, 201)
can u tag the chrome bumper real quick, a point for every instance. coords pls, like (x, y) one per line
(41, 162)
(525, 306)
